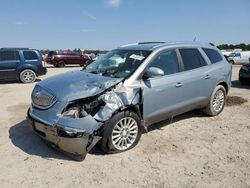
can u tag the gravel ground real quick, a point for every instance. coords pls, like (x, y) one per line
(192, 150)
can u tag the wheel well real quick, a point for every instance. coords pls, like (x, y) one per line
(224, 84)
(26, 69)
(135, 109)
(61, 60)
(231, 61)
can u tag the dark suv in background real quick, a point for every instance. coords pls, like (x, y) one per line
(21, 64)
(62, 58)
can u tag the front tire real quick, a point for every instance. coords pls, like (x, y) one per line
(232, 62)
(217, 101)
(85, 64)
(27, 76)
(121, 133)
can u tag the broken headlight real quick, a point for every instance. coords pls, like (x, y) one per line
(82, 108)
(75, 112)
(70, 132)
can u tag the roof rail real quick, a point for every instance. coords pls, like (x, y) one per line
(14, 48)
(125, 45)
(152, 42)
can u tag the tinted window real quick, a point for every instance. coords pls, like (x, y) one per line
(192, 59)
(213, 55)
(51, 53)
(74, 53)
(9, 55)
(29, 55)
(167, 61)
(237, 55)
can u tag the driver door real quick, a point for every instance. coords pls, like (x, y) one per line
(163, 95)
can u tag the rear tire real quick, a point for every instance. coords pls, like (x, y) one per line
(27, 76)
(61, 63)
(121, 132)
(217, 101)
(242, 81)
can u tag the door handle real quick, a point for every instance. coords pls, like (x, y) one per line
(179, 84)
(207, 76)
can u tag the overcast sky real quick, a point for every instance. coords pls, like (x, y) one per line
(106, 24)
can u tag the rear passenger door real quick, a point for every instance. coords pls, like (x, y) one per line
(9, 62)
(76, 58)
(219, 69)
(196, 78)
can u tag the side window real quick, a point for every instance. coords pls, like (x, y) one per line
(167, 61)
(237, 55)
(30, 55)
(192, 58)
(9, 55)
(213, 55)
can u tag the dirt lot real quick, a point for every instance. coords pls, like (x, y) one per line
(191, 151)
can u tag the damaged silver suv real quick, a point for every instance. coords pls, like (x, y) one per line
(115, 98)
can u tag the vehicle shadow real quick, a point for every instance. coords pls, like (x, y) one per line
(158, 126)
(22, 137)
(237, 84)
(169, 121)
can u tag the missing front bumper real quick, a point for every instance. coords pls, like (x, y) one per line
(74, 147)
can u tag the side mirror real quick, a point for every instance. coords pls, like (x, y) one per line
(153, 72)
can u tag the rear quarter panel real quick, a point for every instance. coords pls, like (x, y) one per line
(221, 72)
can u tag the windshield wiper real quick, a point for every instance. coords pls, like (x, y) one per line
(109, 72)
(93, 72)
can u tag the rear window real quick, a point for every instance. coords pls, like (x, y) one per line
(192, 58)
(30, 55)
(213, 55)
(9, 55)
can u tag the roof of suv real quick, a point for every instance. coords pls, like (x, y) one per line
(151, 46)
(4, 49)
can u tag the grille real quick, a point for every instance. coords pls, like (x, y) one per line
(41, 98)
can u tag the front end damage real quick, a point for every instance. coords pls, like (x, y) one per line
(76, 126)
(72, 141)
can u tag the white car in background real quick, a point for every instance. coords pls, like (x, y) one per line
(241, 57)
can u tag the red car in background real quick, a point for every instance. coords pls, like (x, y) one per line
(62, 58)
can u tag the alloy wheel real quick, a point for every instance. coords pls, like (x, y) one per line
(124, 133)
(218, 101)
(28, 76)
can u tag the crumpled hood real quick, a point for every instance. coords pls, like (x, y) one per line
(77, 84)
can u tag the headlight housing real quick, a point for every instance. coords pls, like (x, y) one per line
(74, 112)
(82, 108)
(70, 132)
